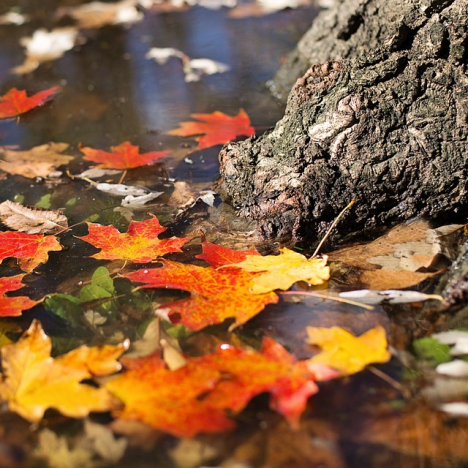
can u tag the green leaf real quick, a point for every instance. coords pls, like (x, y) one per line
(66, 307)
(431, 350)
(101, 287)
(44, 202)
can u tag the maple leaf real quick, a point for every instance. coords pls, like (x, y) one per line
(216, 294)
(123, 156)
(282, 271)
(217, 128)
(33, 381)
(16, 102)
(196, 398)
(218, 256)
(30, 249)
(140, 244)
(13, 306)
(348, 353)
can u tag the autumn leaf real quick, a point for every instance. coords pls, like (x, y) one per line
(216, 294)
(30, 249)
(16, 102)
(282, 271)
(123, 156)
(33, 381)
(348, 353)
(13, 306)
(196, 398)
(218, 256)
(39, 161)
(216, 128)
(140, 244)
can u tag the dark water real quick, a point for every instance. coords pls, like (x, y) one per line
(111, 93)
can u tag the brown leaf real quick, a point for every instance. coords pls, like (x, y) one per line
(39, 161)
(31, 220)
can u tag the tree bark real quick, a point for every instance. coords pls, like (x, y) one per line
(380, 116)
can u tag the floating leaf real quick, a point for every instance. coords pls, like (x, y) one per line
(216, 294)
(348, 353)
(16, 102)
(217, 128)
(39, 161)
(30, 249)
(33, 381)
(218, 256)
(31, 220)
(366, 296)
(13, 306)
(123, 156)
(282, 271)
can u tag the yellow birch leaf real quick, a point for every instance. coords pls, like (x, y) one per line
(33, 381)
(348, 353)
(282, 271)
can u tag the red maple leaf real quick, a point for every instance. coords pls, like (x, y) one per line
(13, 306)
(218, 256)
(140, 244)
(30, 249)
(123, 156)
(217, 128)
(197, 397)
(216, 294)
(16, 102)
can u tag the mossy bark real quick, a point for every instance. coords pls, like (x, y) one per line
(380, 116)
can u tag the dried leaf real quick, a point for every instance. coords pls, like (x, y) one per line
(456, 368)
(123, 156)
(347, 353)
(140, 244)
(13, 17)
(367, 296)
(133, 202)
(13, 306)
(96, 173)
(217, 128)
(30, 249)
(31, 220)
(282, 271)
(33, 381)
(120, 190)
(16, 102)
(39, 161)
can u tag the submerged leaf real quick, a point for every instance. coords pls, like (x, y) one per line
(16, 102)
(13, 306)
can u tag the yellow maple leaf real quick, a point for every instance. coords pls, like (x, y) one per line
(282, 271)
(348, 353)
(33, 381)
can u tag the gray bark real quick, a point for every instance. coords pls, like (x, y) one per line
(380, 116)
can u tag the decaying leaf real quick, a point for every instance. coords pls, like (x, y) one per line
(123, 156)
(39, 161)
(133, 202)
(44, 46)
(13, 306)
(217, 128)
(33, 381)
(121, 190)
(30, 249)
(282, 271)
(367, 296)
(16, 102)
(140, 244)
(96, 173)
(194, 69)
(348, 353)
(13, 17)
(31, 220)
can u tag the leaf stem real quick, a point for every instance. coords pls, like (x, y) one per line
(332, 298)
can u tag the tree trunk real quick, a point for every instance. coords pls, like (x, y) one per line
(380, 116)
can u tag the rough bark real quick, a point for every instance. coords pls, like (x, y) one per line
(381, 116)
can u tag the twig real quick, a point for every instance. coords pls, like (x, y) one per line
(332, 298)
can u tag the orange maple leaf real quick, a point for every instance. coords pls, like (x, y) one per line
(16, 102)
(123, 156)
(140, 244)
(33, 381)
(197, 397)
(218, 256)
(216, 294)
(30, 249)
(13, 306)
(217, 128)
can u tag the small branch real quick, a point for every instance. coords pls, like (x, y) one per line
(332, 298)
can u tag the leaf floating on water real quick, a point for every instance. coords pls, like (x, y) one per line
(368, 296)
(33, 381)
(131, 201)
(31, 220)
(456, 368)
(455, 409)
(219, 256)
(123, 156)
(121, 190)
(13, 17)
(13, 306)
(44, 46)
(97, 172)
(39, 161)
(30, 249)
(217, 128)
(282, 271)
(348, 353)
(16, 102)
